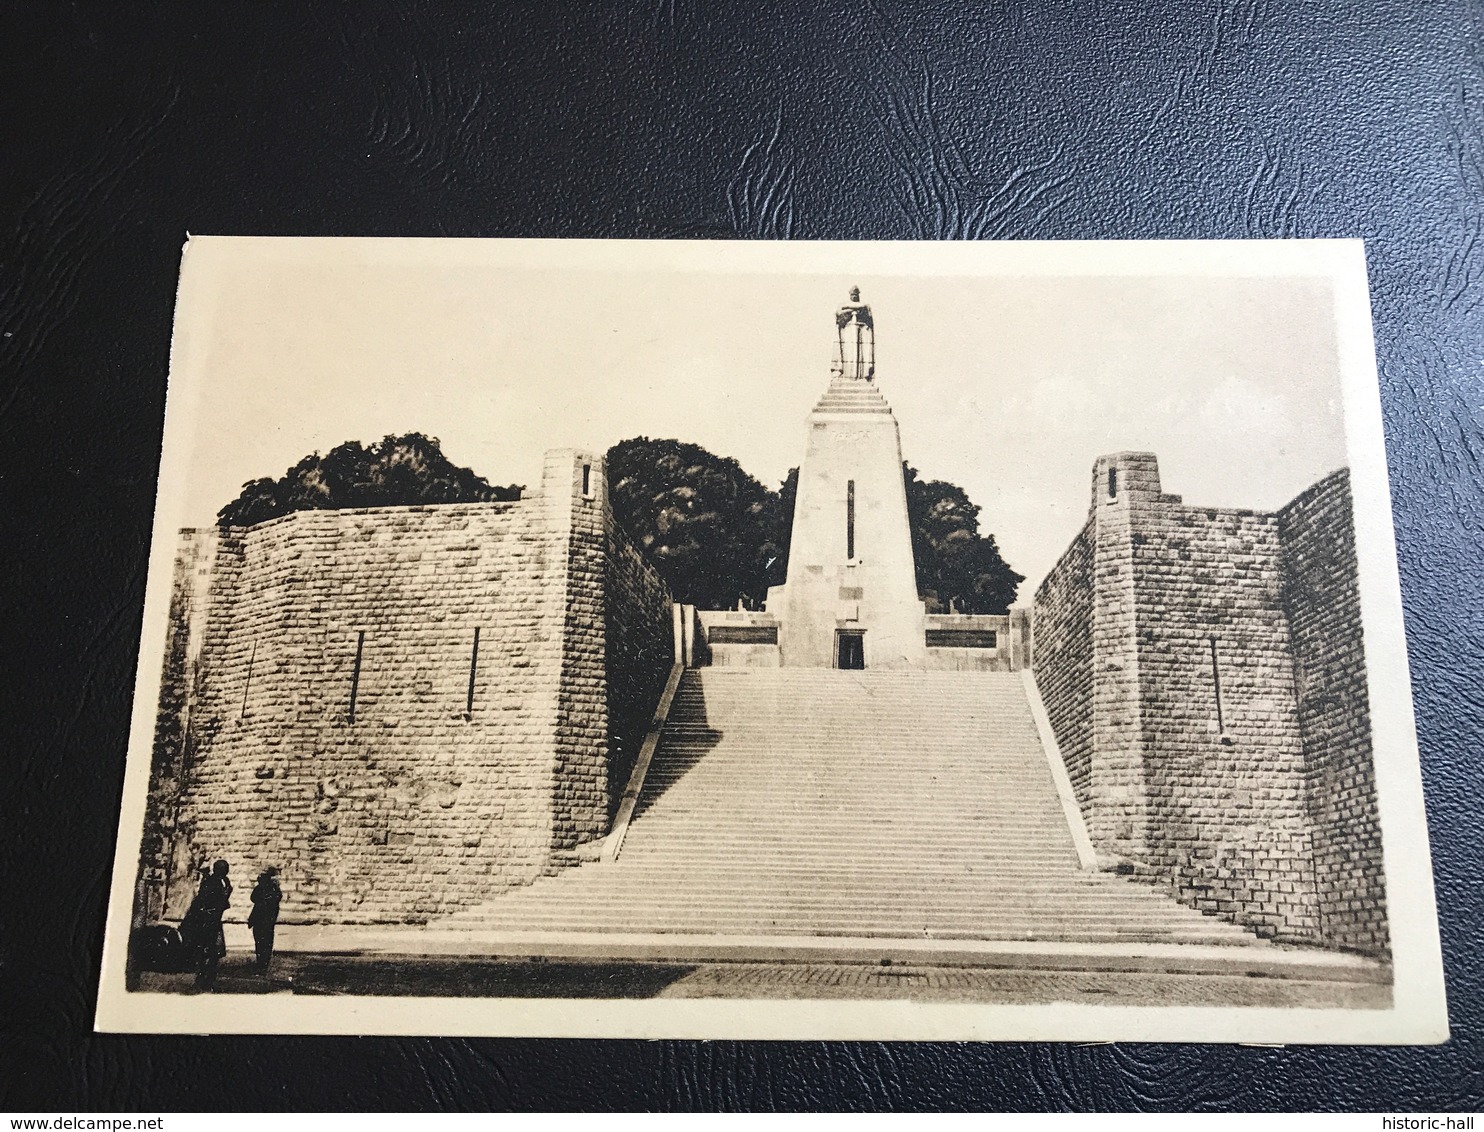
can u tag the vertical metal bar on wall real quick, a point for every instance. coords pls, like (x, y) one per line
(247, 684)
(1216, 682)
(355, 676)
(473, 668)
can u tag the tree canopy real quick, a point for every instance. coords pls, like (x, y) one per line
(398, 471)
(709, 528)
(958, 569)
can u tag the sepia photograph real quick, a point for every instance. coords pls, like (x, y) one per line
(985, 641)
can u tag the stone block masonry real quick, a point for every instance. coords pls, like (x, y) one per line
(189, 594)
(410, 708)
(1203, 671)
(640, 651)
(1323, 605)
(1227, 816)
(1063, 661)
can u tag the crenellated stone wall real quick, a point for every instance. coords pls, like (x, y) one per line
(345, 725)
(1169, 644)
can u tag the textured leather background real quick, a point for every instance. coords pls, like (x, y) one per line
(125, 124)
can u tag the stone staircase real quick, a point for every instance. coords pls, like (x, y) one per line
(852, 395)
(820, 803)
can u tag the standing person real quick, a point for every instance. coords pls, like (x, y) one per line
(266, 897)
(206, 937)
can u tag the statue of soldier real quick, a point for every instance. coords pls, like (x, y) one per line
(856, 339)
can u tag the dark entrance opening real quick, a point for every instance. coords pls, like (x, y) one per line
(850, 648)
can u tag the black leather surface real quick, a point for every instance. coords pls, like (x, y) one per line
(127, 123)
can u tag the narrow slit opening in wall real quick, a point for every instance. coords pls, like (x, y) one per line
(587, 479)
(473, 669)
(1216, 685)
(850, 519)
(1112, 483)
(247, 684)
(355, 675)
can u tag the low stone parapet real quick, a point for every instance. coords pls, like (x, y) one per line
(976, 642)
(738, 638)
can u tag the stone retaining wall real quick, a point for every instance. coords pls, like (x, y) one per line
(195, 555)
(640, 653)
(1323, 604)
(1169, 641)
(346, 727)
(1227, 816)
(1063, 658)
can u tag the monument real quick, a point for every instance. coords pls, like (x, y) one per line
(850, 599)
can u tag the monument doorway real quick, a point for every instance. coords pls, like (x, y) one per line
(850, 648)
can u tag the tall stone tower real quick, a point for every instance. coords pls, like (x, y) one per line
(850, 599)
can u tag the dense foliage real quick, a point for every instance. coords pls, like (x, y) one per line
(711, 530)
(397, 471)
(958, 569)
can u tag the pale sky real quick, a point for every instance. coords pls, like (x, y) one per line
(1007, 384)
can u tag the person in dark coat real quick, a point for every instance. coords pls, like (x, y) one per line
(266, 897)
(201, 930)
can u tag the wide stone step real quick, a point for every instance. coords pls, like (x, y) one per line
(825, 922)
(1022, 865)
(1048, 855)
(896, 726)
(774, 901)
(813, 790)
(819, 834)
(889, 899)
(860, 760)
(996, 821)
(1052, 857)
(680, 759)
(1057, 869)
(819, 829)
(948, 811)
(736, 895)
(783, 898)
(825, 925)
(740, 832)
(1005, 707)
(770, 733)
(881, 929)
(658, 887)
(788, 905)
(764, 920)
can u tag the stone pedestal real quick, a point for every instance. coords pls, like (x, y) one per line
(850, 564)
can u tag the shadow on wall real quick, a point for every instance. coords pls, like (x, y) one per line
(688, 739)
(1196, 663)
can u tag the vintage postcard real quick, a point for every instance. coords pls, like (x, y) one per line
(805, 640)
